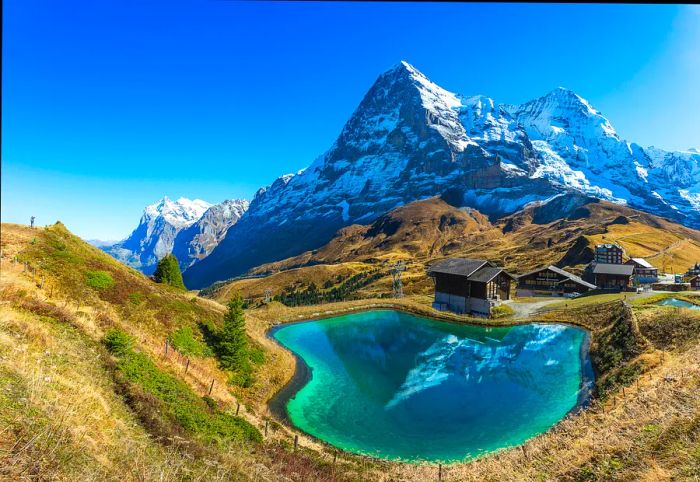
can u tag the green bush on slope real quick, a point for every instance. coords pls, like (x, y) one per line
(100, 280)
(172, 398)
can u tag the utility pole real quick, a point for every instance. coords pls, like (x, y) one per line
(396, 270)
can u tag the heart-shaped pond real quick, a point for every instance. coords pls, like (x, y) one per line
(397, 386)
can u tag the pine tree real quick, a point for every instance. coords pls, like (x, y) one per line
(233, 343)
(168, 272)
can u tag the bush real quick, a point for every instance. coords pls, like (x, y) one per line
(177, 403)
(135, 298)
(168, 272)
(502, 311)
(256, 355)
(117, 341)
(184, 341)
(99, 280)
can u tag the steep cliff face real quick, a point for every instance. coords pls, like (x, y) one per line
(410, 139)
(404, 142)
(198, 240)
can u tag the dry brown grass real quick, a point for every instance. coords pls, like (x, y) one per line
(57, 397)
(670, 252)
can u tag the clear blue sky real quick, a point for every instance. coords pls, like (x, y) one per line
(110, 104)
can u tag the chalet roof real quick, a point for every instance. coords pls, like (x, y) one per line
(457, 266)
(618, 269)
(486, 274)
(566, 274)
(477, 270)
(642, 262)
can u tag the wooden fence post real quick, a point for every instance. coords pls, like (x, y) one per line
(296, 442)
(211, 387)
(238, 407)
(166, 347)
(439, 471)
(187, 366)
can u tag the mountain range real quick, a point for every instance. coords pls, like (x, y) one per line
(189, 229)
(410, 139)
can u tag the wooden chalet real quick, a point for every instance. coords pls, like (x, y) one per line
(695, 282)
(612, 276)
(465, 285)
(643, 271)
(551, 281)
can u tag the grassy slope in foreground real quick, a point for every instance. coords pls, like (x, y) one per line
(71, 410)
(59, 391)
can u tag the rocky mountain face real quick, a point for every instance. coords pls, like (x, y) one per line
(197, 241)
(410, 139)
(189, 229)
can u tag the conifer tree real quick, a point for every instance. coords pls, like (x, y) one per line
(168, 272)
(233, 343)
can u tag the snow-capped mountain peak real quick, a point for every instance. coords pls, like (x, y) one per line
(181, 213)
(188, 228)
(409, 139)
(442, 107)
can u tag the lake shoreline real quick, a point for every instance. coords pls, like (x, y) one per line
(303, 374)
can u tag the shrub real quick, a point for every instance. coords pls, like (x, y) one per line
(184, 341)
(168, 272)
(175, 401)
(117, 341)
(99, 280)
(502, 311)
(135, 298)
(256, 355)
(43, 308)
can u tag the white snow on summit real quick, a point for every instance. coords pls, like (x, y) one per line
(181, 213)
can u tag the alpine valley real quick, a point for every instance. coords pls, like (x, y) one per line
(409, 140)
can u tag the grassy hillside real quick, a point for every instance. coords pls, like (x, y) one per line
(87, 391)
(78, 405)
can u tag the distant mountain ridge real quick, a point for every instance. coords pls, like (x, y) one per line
(188, 228)
(410, 139)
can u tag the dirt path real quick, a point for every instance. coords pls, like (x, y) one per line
(527, 309)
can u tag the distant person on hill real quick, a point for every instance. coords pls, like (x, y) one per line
(31, 222)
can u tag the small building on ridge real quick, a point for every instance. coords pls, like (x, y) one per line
(609, 254)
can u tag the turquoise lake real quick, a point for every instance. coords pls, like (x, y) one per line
(678, 304)
(397, 386)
